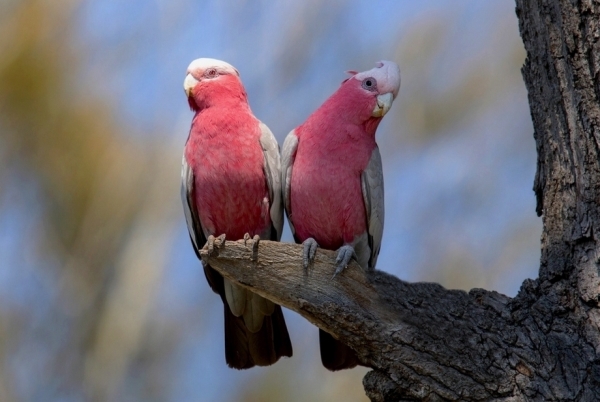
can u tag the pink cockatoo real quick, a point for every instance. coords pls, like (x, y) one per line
(332, 180)
(231, 184)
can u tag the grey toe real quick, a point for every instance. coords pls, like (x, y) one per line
(309, 252)
(345, 254)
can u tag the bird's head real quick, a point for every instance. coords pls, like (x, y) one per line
(380, 85)
(211, 81)
(362, 100)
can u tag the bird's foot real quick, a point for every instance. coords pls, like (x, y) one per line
(213, 244)
(345, 254)
(309, 252)
(254, 244)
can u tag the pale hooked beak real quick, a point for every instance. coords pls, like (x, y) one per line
(384, 103)
(188, 84)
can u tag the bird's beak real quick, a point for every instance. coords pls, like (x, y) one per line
(188, 84)
(384, 103)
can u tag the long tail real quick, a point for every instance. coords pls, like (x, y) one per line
(334, 354)
(243, 348)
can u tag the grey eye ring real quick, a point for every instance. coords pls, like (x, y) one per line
(370, 84)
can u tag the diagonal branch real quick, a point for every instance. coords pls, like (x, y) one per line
(424, 340)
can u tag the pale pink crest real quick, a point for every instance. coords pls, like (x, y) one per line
(198, 66)
(387, 74)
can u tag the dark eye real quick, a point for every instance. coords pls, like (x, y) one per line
(211, 73)
(370, 84)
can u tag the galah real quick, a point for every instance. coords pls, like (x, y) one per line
(332, 180)
(231, 185)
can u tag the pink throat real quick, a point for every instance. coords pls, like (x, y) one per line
(226, 91)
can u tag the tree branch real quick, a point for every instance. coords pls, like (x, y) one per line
(423, 340)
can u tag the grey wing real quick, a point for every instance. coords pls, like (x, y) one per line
(288, 154)
(272, 169)
(372, 190)
(189, 207)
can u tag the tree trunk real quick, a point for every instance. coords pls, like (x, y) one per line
(428, 343)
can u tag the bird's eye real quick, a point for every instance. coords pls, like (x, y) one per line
(370, 84)
(211, 73)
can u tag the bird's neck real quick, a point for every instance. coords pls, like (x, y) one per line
(227, 93)
(236, 117)
(370, 126)
(349, 105)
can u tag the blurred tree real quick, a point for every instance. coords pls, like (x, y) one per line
(99, 195)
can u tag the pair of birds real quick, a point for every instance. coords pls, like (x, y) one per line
(329, 178)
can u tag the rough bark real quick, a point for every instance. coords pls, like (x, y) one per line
(428, 343)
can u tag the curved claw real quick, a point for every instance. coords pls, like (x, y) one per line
(345, 254)
(254, 244)
(214, 243)
(309, 252)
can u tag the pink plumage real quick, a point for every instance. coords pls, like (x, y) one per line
(224, 150)
(333, 181)
(231, 185)
(334, 147)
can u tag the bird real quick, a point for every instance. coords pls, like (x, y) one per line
(332, 181)
(231, 188)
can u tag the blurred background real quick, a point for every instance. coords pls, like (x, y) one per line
(101, 295)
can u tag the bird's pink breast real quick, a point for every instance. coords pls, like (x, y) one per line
(230, 187)
(326, 194)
